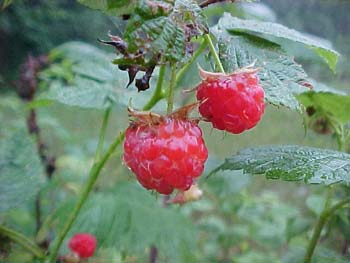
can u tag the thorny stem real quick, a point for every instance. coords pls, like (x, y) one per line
(22, 240)
(95, 171)
(171, 88)
(214, 53)
(102, 133)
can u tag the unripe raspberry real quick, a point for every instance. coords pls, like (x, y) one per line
(231, 102)
(165, 152)
(83, 244)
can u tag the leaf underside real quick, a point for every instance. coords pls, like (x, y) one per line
(279, 31)
(21, 171)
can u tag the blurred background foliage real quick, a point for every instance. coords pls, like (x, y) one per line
(241, 219)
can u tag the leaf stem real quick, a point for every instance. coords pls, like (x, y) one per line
(214, 53)
(22, 240)
(102, 134)
(171, 88)
(93, 175)
(158, 92)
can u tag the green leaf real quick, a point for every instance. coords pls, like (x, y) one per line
(129, 219)
(112, 7)
(280, 76)
(276, 30)
(21, 171)
(164, 28)
(292, 163)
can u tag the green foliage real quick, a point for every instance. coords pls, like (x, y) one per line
(21, 171)
(292, 163)
(280, 76)
(88, 80)
(330, 104)
(279, 31)
(130, 220)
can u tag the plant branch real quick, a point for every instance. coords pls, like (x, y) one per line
(22, 240)
(214, 53)
(171, 88)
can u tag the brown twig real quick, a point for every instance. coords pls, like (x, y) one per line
(210, 2)
(153, 254)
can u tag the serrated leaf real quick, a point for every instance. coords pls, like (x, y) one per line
(279, 74)
(276, 30)
(21, 171)
(131, 220)
(292, 163)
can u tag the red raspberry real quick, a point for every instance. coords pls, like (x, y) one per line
(166, 153)
(233, 102)
(83, 244)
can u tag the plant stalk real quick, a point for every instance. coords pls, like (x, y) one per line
(22, 240)
(214, 53)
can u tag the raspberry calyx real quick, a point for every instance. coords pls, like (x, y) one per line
(165, 152)
(231, 102)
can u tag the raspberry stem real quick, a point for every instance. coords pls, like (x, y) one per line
(193, 58)
(22, 240)
(171, 88)
(214, 53)
(158, 92)
(102, 134)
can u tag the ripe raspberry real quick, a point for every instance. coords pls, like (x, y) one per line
(83, 244)
(233, 102)
(165, 152)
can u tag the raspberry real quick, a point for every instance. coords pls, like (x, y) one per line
(232, 102)
(165, 153)
(83, 244)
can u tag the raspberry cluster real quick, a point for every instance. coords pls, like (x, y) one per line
(168, 152)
